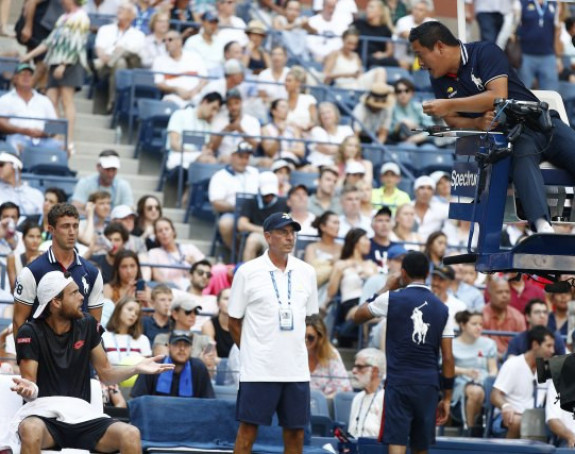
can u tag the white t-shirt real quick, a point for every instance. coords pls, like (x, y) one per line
(300, 116)
(109, 37)
(345, 226)
(180, 121)
(229, 144)
(365, 414)
(39, 106)
(224, 185)
(454, 305)
(235, 32)
(118, 347)
(517, 382)
(267, 353)
(554, 411)
(211, 54)
(188, 65)
(321, 45)
(273, 91)
(432, 220)
(318, 158)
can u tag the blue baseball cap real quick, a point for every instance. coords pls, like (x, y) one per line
(210, 16)
(396, 251)
(279, 220)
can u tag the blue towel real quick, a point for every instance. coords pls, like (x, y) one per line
(164, 384)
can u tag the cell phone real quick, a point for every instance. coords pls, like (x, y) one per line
(140, 285)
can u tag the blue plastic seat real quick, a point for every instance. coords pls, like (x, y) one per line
(45, 161)
(342, 406)
(154, 118)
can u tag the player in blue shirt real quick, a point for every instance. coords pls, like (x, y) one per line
(418, 328)
(466, 79)
(63, 222)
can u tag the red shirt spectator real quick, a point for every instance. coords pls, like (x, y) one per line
(522, 291)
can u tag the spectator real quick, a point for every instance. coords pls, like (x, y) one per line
(558, 318)
(52, 196)
(408, 115)
(516, 389)
(397, 9)
(66, 59)
(302, 107)
(354, 174)
(118, 46)
(13, 189)
(475, 359)
(566, 38)
(154, 45)
(328, 374)
(323, 254)
(373, 113)
(276, 73)
(185, 74)
(31, 238)
(117, 237)
(536, 314)
(419, 14)
(123, 337)
(328, 132)
(224, 185)
(429, 214)
(292, 152)
(435, 248)
(283, 170)
(403, 231)
(328, 29)
(254, 212)
(377, 23)
(98, 211)
(255, 57)
(298, 202)
(324, 198)
(106, 179)
(170, 252)
(522, 289)
(159, 322)
(9, 236)
(197, 119)
(351, 216)
(24, 101)
(467, 293)
(217, 327)
(232, 80)
(366, 208)
(233, 120)
(350, 151)
(190, 378)
(389, 194)
(181, 11)
(442, 187)
(380, 242)
(207, 45)
(231, 26)
(149, 209)
(441, 279)
(368, 373)
(498, 315)
(124, 215)
(293, 28)
(104, 7)
(559, 421)
(126, 274)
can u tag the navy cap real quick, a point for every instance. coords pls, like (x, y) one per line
(176, 336)
(279, 220)
(210, 16)
(244, 147)
(395, 251)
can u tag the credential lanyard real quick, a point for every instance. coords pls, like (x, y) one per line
(276, 287)
(540, 10)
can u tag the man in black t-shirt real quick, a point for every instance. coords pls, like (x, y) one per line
(54, 352)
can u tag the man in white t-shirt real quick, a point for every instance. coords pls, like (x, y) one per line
(297, 201)
(430, 214)
(270, 299)
(226, 183)
(231, 26)
(276, 74)
(516, 389)
(233, 121)
(192, 119)
(560, 422)
(179, 84)
(207, 45)
(328, 29)
(419, 15)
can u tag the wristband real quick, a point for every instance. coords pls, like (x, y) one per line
(34, 395)
(447, 382)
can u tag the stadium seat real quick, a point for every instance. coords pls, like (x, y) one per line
(394, 73)
(309, 179)
(7, 69)
(342, 406)
(421, 80)
(238, 249)
(225, 392)
(533, 425)
(154, 117)
(142, 86)
(46, 161)
(199, 205)
(318, 403)
(429, 160)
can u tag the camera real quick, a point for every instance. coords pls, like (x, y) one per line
(561, 369)
(534, 114)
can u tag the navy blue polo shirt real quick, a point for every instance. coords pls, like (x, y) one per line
(481, 63)
(86, 275)
(538, 37)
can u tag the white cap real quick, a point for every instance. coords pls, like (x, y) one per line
(354, 167)
(9, 157)
(280, 164)
(121, 212)
(109, 162)
(50, 286)
(438, 175)
(268, 183)
(390, 167)
(424, 180)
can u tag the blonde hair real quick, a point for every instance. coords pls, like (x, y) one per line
(385, 14)
(340, 155)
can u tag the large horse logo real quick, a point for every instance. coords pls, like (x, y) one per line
(419, 326)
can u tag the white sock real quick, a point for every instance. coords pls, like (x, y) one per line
(543, 226)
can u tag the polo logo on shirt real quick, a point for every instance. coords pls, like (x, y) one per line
(419, 326)
(478, 82)
(24, 340)
(85, 285)
(79, 344)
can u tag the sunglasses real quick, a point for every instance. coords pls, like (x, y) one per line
(400, 91)
(361, 366)
(202, 272)
(2, 164)
(310, 338)
(153, 208)
(191, 311)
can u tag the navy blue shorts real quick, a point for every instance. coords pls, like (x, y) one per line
(84, 435)
(258, 401)
(409, 416)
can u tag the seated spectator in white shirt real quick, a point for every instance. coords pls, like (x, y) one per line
(13, 189)
(282, 148)
(351, 216)
(118, 46)
(328, 30)
(231, 26)
(154, 45)
(207, 45)
(192, 119)
(367, 406)
(430, 215)
(276, 74)
(24, 101)
(178, 82)
(329, 131)
(234, 75)
(374, 113)
(559, 421)
(297, 202)
(226, 183)
(233, 121)
(419, 14)
(294, 28)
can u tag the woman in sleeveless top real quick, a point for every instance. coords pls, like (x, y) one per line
(301, 107)
(32, 238)
(349, 151)
(329, 134)
(217, 326)
(125, 275)
(403, 229)
(255, 58)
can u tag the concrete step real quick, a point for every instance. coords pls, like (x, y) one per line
(94, 148)
(88, 120)
(175, 214)
(83, 104)
(94, 134)
(81, 162)
(139, 193)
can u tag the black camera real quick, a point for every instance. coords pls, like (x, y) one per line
(533, 114)
(561, 369)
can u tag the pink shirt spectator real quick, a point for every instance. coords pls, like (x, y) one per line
(330, 378)
(513, 321)
(186, 255)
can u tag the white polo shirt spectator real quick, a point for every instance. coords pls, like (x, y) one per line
(109, 37)
(328, 36)
(233, 32)
(229, 144)
(273, 91)
(39, 106)
(211, 54)
(253, 299)
(226, 183)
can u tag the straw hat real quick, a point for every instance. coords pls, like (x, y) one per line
(257, 27)
(379, 97)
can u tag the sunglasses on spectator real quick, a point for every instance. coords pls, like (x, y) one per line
(310, 338)
(400, 91)
(170, 39)
(361, 366)
(202, 272)
(152, 208)
(191, 311)
(2, 164)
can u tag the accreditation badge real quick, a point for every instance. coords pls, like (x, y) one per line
(286, 319)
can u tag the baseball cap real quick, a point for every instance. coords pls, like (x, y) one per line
(186, 303)
(177, 336)
(23, 67)
(109, 162)
(234, 93)
(279, 220)
(50, 286)
(268, 183)
(390, 167)
(7, 155)
(244, 147)
(280, 164)
(354, 167)
(121, 212)
(438, 175)
(444, 272)
(296, 187)
(233, 66)
(210, 16)
(424, 180)
(396, 251)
